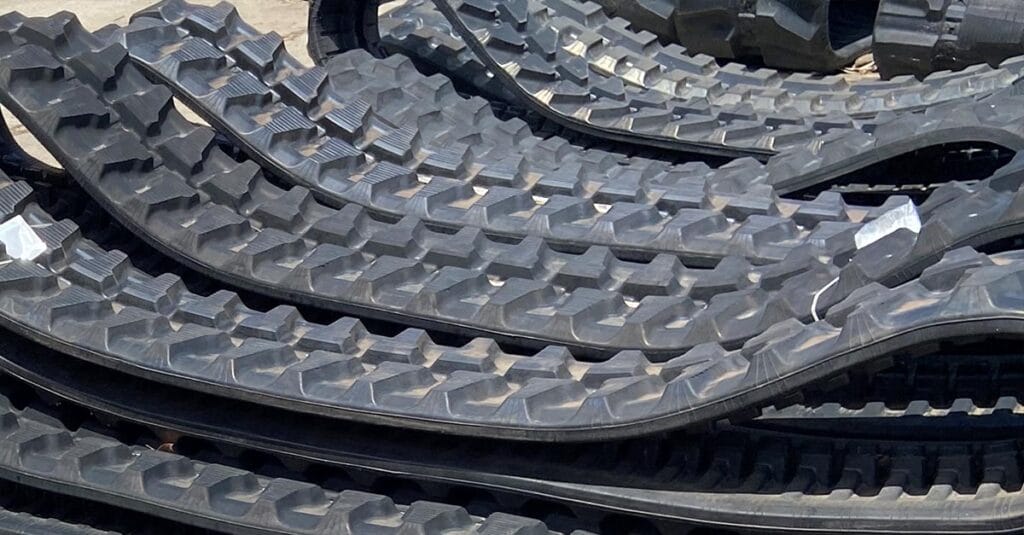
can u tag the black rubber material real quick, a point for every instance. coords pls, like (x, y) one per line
(802, 35)
(563, 190)
(920, 37)
(568, 82)
(606, 80)
(206, 78)
(632, 395)
(351, 374)
(678, 482)
(286, 245)
(318, 239)
(417, 30)
(17, 523)
(40, 452)
(220, 57)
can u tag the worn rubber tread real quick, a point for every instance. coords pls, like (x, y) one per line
(347, 373)
(785, 34)
(40, 452)
(998, 122)
(919, 37)
(347, 261)
(562, 78)
(584, 317)
(17, 523)
(804, 482)
(550, 171)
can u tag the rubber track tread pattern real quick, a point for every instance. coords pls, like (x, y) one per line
(210, 495)
(920, 37)
(592, 73)
(807, 482)
(682, 195)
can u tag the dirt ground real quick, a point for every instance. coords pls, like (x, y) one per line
(286, 17)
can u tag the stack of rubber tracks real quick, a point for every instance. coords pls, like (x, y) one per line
(360, 301)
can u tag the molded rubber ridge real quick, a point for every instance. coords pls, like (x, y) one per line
(585, 318)
(90, 303)
(639, 102)
(38, 451)
(788, 34)
(15, 523)
(190, 64)
(923, 36)
(558, 59)
(284, 244)
(209, 81)
(415, 28)
(532, 169)
(728, 478)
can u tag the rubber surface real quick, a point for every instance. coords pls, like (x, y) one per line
(563, 78)
(207, 83)
(177, 218)
(417, 30)
(920, 37)
(16, 523)
(547, 187)
(609, 81)
(815, 35)
(593, 319)
(258, 65)
(678, 482)
(44, 454)
(480, 390)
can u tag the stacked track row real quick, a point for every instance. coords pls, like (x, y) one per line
(575, 280)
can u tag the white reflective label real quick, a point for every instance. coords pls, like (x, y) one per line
(903, 216)
(20, 241)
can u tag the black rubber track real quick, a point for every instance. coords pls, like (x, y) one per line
(91, 303)
(605, 80)
(815, 35)
(279, 239)
(220, 26)
(745, 481)
(570, 197)
(214, 59)
(16, 523)
(40, 452)
(920, 37)
(265, 233)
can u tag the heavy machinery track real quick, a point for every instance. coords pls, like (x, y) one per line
(920, 37)
(817, 36)
(595, 75)
(725, 478)
(40, 452)
(91, 303)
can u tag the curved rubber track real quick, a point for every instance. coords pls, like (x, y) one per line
(670, 488)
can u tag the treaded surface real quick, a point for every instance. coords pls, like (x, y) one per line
(16, 523)
(557, 57)
(786, 34)
(42, 453)
(801, 482)
(193, 67)
(418, 30)
(92, 303)
(997, 121)
(554, 174)
(592, 319)
(313, 239)
(923, 253)
(920, 37)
